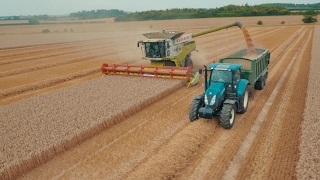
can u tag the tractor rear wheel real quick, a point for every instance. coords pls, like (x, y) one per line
(194, 108)
(227, 116)
(244, 101)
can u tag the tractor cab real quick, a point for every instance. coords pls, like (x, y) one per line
(224, 94)
(226, 74)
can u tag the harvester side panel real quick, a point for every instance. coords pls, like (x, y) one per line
(187, 48)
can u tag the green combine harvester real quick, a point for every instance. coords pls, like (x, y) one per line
(169, 53)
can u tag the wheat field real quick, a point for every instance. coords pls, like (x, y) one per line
(309, 161)
(61, 119)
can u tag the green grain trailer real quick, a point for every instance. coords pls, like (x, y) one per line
(254, 66)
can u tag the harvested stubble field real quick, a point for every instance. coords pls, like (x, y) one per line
(61, 120)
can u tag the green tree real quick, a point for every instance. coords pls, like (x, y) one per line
(310, 16)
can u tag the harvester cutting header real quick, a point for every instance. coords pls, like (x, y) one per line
(170, 55)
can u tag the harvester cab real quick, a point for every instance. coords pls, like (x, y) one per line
(168, 48)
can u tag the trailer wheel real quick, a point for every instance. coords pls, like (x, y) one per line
(227, 116)
(188, 62)
(265, 79)
(194, 108)
(259, 84)
(244, 101)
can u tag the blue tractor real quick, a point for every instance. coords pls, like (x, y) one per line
(228, 87)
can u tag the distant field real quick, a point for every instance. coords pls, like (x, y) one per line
(189, 23)
(11, 36)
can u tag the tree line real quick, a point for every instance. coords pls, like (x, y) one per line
(95, 14)
(292, 7)
(271, 9)
(187, 13)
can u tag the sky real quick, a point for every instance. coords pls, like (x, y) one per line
(65, 7)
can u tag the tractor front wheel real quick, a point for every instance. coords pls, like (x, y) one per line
(194, 108)
(227, 116)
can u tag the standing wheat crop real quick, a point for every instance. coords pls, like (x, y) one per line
(309, 161)
(34, 130)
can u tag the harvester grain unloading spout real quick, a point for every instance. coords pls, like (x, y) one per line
(170, 55)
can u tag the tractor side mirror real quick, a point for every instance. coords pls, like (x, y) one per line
(200, 71)
(140, 42)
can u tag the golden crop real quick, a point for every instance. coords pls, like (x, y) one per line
(36, 129)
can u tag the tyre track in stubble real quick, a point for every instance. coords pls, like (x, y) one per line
(272, 118)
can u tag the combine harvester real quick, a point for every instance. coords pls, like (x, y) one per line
(170, 55)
